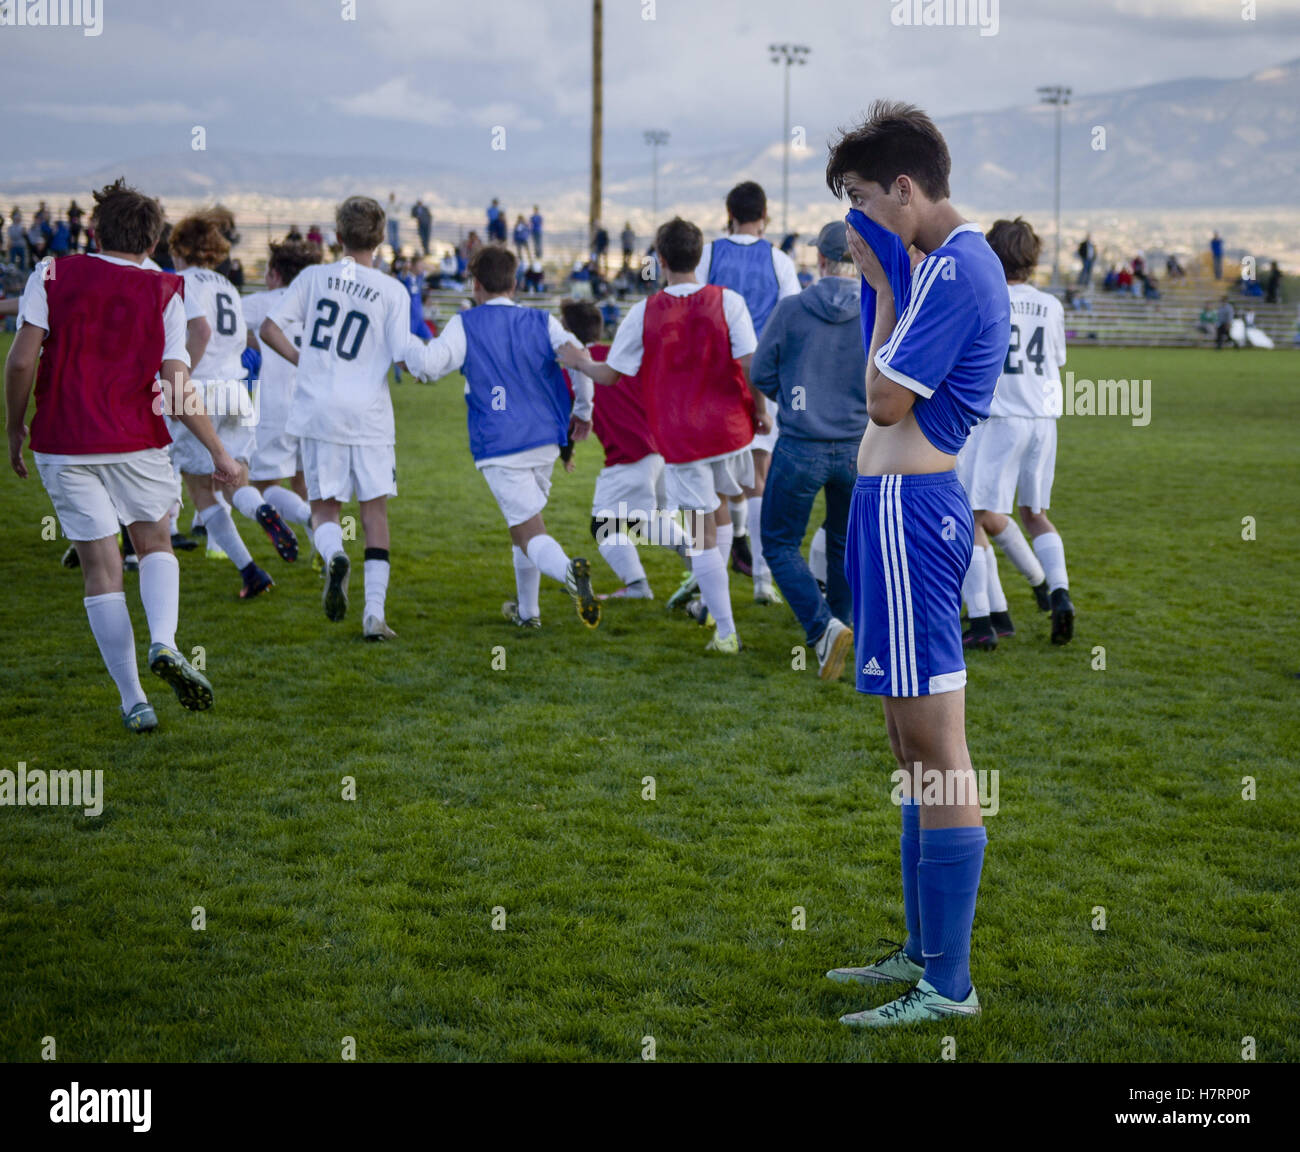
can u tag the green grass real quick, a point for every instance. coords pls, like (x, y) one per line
(626, 917)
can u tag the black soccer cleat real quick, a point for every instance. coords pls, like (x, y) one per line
(182, 543)
(1042, 596)
(1062, 616)
(981, 634)
(1002, 624)
(280, 534)
(742, 558)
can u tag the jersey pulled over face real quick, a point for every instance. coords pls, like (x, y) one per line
(355, 322)
(1030, 383)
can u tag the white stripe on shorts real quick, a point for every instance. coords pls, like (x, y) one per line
(885, 566)
(907, 589)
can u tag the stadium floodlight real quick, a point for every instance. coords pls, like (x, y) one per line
(655, 138)
(789, 55)
(1058, 95)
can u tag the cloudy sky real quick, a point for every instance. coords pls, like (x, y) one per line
(432, 79)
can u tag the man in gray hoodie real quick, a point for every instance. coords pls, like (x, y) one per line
(810, 361)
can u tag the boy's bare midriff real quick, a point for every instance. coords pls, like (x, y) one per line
(900, 449)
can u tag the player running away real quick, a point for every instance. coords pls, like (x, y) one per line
(103, 328)
(932, 365)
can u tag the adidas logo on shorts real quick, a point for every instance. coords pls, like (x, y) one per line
(872, 668)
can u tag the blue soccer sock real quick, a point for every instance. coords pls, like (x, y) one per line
(948, 878)
(909, 846)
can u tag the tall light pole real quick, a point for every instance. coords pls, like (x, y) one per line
(1059, 96)
(597, 112)
(789, 55)
(655, 138)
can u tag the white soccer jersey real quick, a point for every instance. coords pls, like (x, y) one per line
(277, 376)
(1030, 384)
(210, 295)
(354, 323)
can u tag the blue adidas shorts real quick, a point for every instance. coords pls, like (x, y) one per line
(909, 545)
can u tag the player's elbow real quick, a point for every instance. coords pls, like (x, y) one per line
(885, 410)
(268, 331)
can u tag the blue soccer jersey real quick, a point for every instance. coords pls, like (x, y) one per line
(951, 339)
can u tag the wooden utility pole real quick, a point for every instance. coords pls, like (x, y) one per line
(597, 112)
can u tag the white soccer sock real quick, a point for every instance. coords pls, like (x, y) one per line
(975, 587)
(715, 590)
(160, 593)
(288, 503)
(762, 573)
(223, 533)
(817, 555)
(328, 539)
(621, 555)
(546, 553)
(739, 510)
(997, 598)
(1050, 549)
(1012, 541)
(247, 501)
(528, 585)
(111, 624)
(375, 586)
(726, 534)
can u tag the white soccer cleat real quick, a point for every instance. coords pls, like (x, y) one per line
(915, 1006)
(833, 649)
(374, 628)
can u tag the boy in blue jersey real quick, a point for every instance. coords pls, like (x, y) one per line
(520, 416)
(931, 370)
(762, 274)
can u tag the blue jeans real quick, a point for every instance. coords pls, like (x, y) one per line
(799, 470)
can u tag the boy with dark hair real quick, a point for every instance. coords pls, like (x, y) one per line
(355, 323)
(1014, 451)
(691, 346)
(102, 331)
(520, 416)
(762, 274)
(931, 372)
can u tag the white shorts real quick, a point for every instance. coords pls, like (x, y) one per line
(695, 486)
(637, 487)
(93, 500)
(1009, 460)
(766, 441)
(274, 457)
(520, 492)
(348, 471)
(240, 440)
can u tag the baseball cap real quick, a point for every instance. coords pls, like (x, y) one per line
(832, 242)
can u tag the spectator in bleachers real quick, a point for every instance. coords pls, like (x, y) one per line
(1124, 280)
(1223, 333)
(75, 216)
(629, 243)
(521, 236)
(35, 240)
(1216, 255)
(535, 277)
(60, 239)
(1111, 281)
(1273, 290)
(1205, 323)
(393, 215)
(423, 224)
(1087, 252)
(18, 240)
(1173, 269)
(536, 223)
(496, 222)
(315, 236)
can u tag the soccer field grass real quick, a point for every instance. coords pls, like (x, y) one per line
(482, 788)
